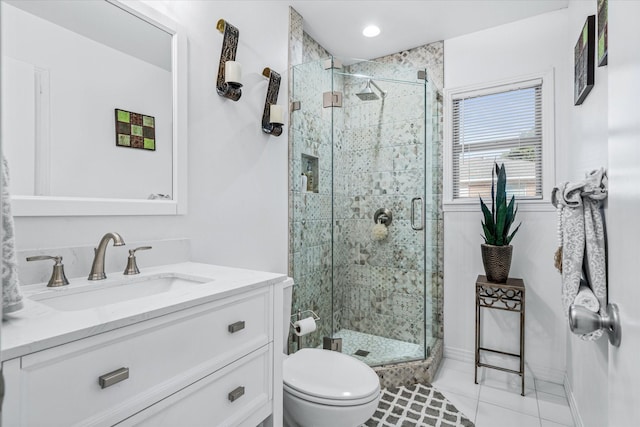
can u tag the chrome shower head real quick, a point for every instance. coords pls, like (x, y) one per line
(368, 94)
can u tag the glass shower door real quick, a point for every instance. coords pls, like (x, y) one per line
(371, 152)
(379, 164)
(310, 243)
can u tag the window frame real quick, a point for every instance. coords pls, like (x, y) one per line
(548, 138)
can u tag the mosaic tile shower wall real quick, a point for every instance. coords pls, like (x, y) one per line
(378, 153)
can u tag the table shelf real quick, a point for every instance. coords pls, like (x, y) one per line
(509, 296)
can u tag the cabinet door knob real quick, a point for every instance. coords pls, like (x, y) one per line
(235, 327)
(236, 394)
(114, 377)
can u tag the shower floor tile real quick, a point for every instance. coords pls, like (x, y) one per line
(380, 350)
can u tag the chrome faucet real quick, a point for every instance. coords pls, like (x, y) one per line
(97, 269)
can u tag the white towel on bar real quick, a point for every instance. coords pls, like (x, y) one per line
(11, 295)
(582, 239)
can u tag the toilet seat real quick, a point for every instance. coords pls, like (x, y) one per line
(331, 402)
(329, 378)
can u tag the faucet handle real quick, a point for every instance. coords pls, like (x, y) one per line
(132, 266)
(58, 277)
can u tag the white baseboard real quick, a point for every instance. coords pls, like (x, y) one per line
(459, 354)
(539, 372)
(546, 373)
(572, 403)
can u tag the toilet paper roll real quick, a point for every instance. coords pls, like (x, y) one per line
(304, 326)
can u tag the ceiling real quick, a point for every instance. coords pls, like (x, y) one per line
(337, 25)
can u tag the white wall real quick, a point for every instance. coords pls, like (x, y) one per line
(604, 129)
(237, 175)
(517, 49)
(581, 145)
(238, 184)
(624, 205)
(585, 149)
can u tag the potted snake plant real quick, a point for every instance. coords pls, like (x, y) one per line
(496, 249)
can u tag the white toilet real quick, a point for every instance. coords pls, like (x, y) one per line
(325, 388)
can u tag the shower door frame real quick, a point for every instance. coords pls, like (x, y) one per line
(311, 213)
(408, 215)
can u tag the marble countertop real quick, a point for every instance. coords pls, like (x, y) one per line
(38, 326)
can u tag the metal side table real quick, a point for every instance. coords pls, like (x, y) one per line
(509, 296)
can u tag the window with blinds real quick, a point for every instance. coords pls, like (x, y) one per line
(502, 126)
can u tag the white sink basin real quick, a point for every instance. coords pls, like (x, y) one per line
(97, 294)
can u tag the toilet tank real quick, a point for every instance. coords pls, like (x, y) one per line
(286, 304)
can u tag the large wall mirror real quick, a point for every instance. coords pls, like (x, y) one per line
(93, 108)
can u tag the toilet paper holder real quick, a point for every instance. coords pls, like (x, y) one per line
(299, 314)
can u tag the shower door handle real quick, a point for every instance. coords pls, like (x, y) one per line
(419, 226)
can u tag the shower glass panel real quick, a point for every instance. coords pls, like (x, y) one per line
(370, 283)
(310, 225)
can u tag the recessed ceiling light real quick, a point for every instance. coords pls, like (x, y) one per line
(371, 31)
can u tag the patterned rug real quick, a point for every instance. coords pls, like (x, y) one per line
(414, 406)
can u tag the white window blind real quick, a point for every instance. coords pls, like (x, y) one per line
(503, 126)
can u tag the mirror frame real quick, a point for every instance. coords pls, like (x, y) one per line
(82, 206)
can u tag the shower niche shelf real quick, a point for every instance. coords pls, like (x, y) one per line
(311, 171)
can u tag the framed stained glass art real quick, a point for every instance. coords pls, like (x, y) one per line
(135, 130)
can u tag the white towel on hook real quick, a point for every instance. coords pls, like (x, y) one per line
(586, 298)
(11, 295)
(582, 239)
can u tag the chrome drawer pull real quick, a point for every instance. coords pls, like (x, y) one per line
(114, 377)
(236, 394)
(235, 327)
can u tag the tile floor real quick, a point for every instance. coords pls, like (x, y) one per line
(496, 400)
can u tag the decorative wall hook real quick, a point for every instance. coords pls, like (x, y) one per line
(229, 71)
(273, 114)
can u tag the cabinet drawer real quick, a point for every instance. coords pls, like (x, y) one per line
(60, 386)
(237, 395)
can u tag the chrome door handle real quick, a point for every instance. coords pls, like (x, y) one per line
(583, 321)
(413, 213)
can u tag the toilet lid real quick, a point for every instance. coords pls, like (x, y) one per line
(329, 375)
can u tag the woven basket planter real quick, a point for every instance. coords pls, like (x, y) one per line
(497, 262)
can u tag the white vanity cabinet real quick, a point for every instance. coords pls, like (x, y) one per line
(211, 364)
